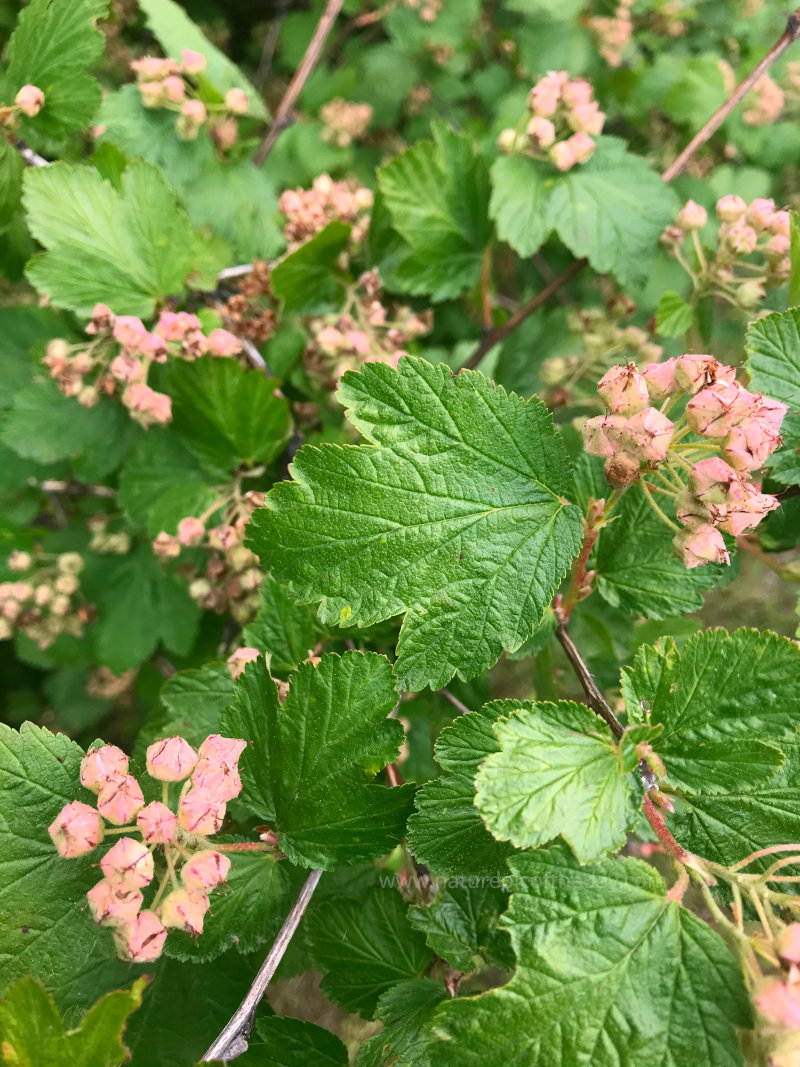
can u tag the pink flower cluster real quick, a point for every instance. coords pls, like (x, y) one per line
(753, 239)
(167, 83)
(613, 32)
(211, 778)
(564, 116)
(119, 358)
(344, 121)
(231, 578)
(45, 602)
(768, 105)
(366, 331)
(725, 433)
(308, 211)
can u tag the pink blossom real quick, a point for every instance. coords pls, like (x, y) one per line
(695, 372)
(195, 110)
(693, 216)
(700, 546)
(544, 99)
(102, 765)
(120, 799)
(777, 247)
(542, 131)
(170, 760)
(166, 546)
(779, 224)
(192, 62)
(191, 531)
(741, 238)
(602, 435)
(747, 513)
(204, 871)
(126, 368)
(713, 480)
(142, 940)
(239, 658)
(660, 379)
(109, 907)
(147, 405)
(223, 537)
(222, 749)
(128, 865)
(30, 100)
(582, 147)
(623, 389)
(154, 67)
(730, 208)
(358, 341)
(130, 331)
(577, 92)
(157, 823)
(760, 213)
(223, 343)
(331, 340)
(153, 346)
(650, 432)
(225, 133)
(174, 88)
(102, 319)
(690, 511)
(769, 411)
(76, 829)
(173, 325)
(218, 779)
(713, 411)
(780, 1003)
(201, 812)
(152, 93)
(587, 118)
(563, 156)
(789, 943)
(747, 446)
(236, 101)
(183, 910)
(194, 344)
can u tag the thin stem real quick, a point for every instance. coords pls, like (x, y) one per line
(656, 508)
(662, 833)
(244, 846)
(770, 851)
(754, 550)
(309, 61)
(486, 287)
(595, 699)
(461, 708)
(776, 866)
(234, 1036)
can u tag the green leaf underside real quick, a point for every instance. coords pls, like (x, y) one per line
(283, 1042)
(364, 947)
(33, 1033)
(456, 517)
(308, 280)
(608, 972)
(558, 772)
(722, 699)
(674, 315)
(461, 924)
(446, 832)
(404, 1010)
(310, 767)
(129, 249)
(773, 359)
(436, 193)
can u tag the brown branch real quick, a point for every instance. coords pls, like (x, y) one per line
(309, 61)
(33, 159)
(790, 34)
(462, 709)
(234, 1036)
(595, 699)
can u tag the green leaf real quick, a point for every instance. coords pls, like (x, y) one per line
(228, 416)
(283, 1042)
(404, 1010)
(364, 947)
(285, 631)
(721, 698)
(54, 43)
(519, 204)
(613, 210)
(437, 192)
(147, 484)
(141, 603)
(446, 833)
(460, 925)
(609, 971)
(32, 1031)
(130, 249)
(308, 280)
(457, 518)
(637, 569)
(174, 30)
(45, 930)
(11, 170)
(25, 331)
(674, 316)
(246, 915)
(558, 772)
(794, 278)
(309, 770)
(195, 700)
(773, 360)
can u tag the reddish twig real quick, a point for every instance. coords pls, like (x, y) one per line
(461, 708)
(301, 75)
(662, 833)
(594, 698)
(790, 34)
(580, 583)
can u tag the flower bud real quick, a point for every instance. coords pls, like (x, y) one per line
(166, 546)
(182, 910)
(204, 871)
(170, 760)
(748, 446)
(174, 88)
(236, 101)
(128, 865)
(130, 331)
(700, 546)
(66, 584)
(562, 155)
(788, 943)
(102, 765)
(120, 799)
(157, 823)
(621, 470)
(660, 379)
(201, 811)
(239, 658)
(623, 390)
(587, 119)
(509, 141)
(582, 147)
(692, 217)
(193, 62)
(777, 247)
(650, 433)
(19, 561)
(731, 208)
(109, 907)
(190, 531)
(714, 410)
(750, 294)
(690, 511)
(223, 343)
(541, 131)
(695, 372)
(142, 940)
(70, 563)
(602, 435)
(741, 238)
(76, 829)
(780, 223)
(30, 100)
(780, 1003)
(760, 213)
(222, 749)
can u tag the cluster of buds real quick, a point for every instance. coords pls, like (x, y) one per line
(103, 541)
(192, 868)
(252, 309)
(344, 121)
(613, 32)
(702, 461)
(365, 331)
(308, 211)
(563, 116)
(102, 683)
(45, 602)
(428, 9)
(768, 103)
(118, 358)
(777, 999)
(603, 339)
(671, 17)
(167, 83)
(28, 101)
(231, 576)
(752, 252)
